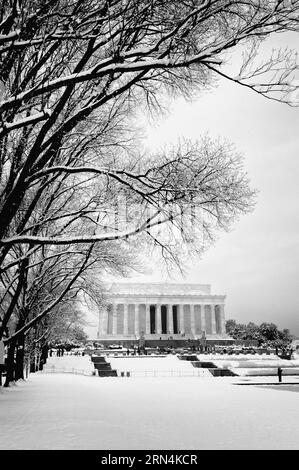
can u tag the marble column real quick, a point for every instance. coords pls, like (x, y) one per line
(192, 319)
(136, 329)
(222, 319)
(169, 319)
(213, 318)
(126, 321)
(100, 324)
(147, 320)
(158, 320)
(114, 319)
(203, 318)
(104, 322)
(182, 319)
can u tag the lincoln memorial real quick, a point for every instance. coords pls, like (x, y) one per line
(161, 311)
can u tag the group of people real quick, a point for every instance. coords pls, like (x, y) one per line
(56, 352)
(59, 352)
(136, 350)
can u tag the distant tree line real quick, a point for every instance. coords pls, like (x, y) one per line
(267, 334)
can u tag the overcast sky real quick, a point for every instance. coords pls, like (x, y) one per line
(256, 264)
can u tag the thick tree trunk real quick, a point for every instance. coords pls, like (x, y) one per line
(32, 366)
(10, 364)
(20, 358)
(43, 356)
(33, 362)
(27, 365)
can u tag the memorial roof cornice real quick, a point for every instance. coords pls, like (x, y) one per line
(159, 289)
(156, 294)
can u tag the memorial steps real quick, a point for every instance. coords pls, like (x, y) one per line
(103, 367)
(214, 370)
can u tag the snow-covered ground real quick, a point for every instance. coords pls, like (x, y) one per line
(137, 366)
(73, 364)
(156, 366)
(170, 365)
(67, 411)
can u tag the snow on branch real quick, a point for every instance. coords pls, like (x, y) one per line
(27, 121)
(39, 240)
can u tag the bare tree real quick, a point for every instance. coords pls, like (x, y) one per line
(63, 62)
(64, 326)
(50, 285)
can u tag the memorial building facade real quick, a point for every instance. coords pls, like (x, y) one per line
(161, 311)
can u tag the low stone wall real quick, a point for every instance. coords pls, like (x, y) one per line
(265, 371)
(169, 343)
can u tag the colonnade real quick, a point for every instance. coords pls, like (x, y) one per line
(183, 319)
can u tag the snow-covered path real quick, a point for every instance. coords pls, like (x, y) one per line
(64, 411)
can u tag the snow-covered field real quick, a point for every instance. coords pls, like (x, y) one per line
(137, 366)
(73, 364)
(170, 365)
(66, 411)
(158, 366)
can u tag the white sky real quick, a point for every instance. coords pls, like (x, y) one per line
(257, 263)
